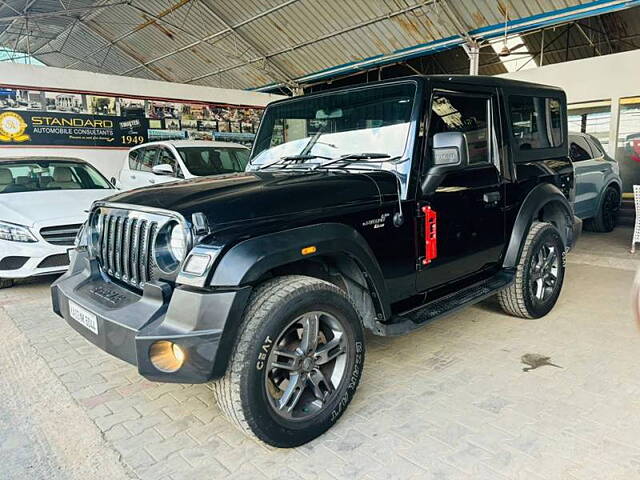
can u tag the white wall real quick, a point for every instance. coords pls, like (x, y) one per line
(597, 78)
(51, 78)
(109, 161)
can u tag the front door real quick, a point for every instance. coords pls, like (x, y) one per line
(468, 201)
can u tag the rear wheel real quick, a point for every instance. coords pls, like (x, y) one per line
(607, 217)
(6, 283)
(539, 274)
(296, 364)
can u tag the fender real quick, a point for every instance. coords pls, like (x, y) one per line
(535, 200)
(246, 262)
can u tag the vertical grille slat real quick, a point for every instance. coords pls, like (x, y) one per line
(127, 250)
(135, 250)
(111, 242)
(125, 247)
(142, 255)
(103, 237)
(152, 235)
(118, 247)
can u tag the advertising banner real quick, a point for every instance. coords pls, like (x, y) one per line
(27, 128)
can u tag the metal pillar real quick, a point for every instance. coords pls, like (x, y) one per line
(473, 51)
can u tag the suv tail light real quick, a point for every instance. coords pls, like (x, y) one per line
(430, 235)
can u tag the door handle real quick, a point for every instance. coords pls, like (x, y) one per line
(133, 177)
(151, 180)
(491, 197)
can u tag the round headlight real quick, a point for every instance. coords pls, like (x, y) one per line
(177, 242)
(170, 247)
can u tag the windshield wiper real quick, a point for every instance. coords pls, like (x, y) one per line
(358, 157)
(296, 159)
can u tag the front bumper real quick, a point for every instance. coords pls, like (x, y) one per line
(576, 231)
(203, 323)
(37, 254)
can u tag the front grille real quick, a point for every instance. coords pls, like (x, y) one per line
(61, 234)
(59, 260)
(12, 263)
(124, 248)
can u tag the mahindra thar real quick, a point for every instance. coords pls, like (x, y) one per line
(378, 207)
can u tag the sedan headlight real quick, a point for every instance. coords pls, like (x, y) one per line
(170, 247)
(16, 233)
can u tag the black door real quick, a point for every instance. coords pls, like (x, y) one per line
(469, 200)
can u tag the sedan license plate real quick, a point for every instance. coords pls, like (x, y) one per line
(83, 317)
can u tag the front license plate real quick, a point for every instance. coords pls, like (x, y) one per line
(83, 317)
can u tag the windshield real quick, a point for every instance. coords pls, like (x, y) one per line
(203, 161)
(26, 176)
(372, 120)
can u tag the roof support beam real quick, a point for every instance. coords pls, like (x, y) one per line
(208, 38)
(60, 13)
(280, 73)
(315, 40)
(110, 43)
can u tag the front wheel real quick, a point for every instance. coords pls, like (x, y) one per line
(539, 274)
(296, 364)
(6, 283)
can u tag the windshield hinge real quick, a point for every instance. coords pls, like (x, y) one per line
(200, 224)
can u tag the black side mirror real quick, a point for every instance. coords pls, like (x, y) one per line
(450, 152)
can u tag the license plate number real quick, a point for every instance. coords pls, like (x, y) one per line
(83, 317)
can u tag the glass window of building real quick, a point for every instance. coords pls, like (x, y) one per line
(628, 147)
(593, 118)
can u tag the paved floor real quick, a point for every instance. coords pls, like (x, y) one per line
(449, 401)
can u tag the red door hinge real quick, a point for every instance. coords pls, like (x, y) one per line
(430, 235)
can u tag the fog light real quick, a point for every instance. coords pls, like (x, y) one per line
(166, 356)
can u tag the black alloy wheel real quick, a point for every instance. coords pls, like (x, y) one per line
(306, 365)
(296, 363)
(539, 274)
(543, 272)
(610, 209)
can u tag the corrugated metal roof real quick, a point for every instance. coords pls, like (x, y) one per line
(252, 43)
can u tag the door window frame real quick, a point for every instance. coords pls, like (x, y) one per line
(493, 113)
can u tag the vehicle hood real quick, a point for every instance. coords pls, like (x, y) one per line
(263, 194)
(49, 207)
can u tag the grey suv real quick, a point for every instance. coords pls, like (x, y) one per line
(598, 184)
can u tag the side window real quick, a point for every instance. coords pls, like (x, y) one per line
(133, 158)
(578, 148)
(467, 114)
(226, 160)
(146, 160)
(596, 147)
(165, 157)
(536, 122)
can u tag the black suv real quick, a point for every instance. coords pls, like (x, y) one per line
(378, 207)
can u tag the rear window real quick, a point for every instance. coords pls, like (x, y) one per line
(536, 122)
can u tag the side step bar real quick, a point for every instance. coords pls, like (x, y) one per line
(416, 318)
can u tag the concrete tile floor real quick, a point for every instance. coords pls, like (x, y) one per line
(449, 401)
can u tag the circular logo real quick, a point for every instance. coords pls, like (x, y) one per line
(12, 127)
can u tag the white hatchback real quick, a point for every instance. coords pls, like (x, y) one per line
(43, 203)
(171, 160)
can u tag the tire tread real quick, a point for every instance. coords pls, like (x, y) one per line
(511, 299)
(226, 390)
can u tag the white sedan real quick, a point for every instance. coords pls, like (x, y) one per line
(171, 160)
(43, 203)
